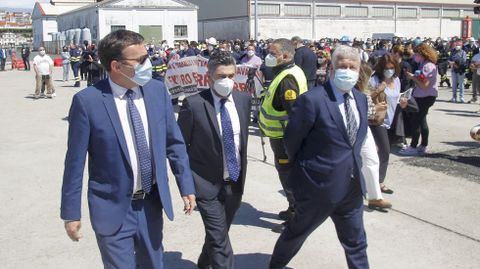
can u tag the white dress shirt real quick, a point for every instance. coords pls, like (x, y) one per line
(232, 112)
(368, 152)
(127, 127)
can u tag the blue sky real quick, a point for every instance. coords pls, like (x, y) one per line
(20, 3)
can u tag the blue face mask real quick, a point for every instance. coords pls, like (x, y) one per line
(143, 73)
(345, 79)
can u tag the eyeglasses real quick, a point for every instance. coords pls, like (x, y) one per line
(140, 60)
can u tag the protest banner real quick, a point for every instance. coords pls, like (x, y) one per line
(188, 76)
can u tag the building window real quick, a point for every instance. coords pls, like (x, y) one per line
(469, 12)
(328, 11)
(430, 12)
(382, 12)
(451, 13)
(114, 28)
(407, 13)
(356, 11)
(297, 10)
(266, 9)
(180, 31)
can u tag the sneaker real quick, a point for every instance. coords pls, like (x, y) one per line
(49, 96)
(36, 96)
(422, 150)
(42, 95)
(54, 95)
(401, 146)
(409, 151)
(462, 100)
(453, 100)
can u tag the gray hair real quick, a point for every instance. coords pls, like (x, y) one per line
(344, 52)
(219, 58)
(286, 47)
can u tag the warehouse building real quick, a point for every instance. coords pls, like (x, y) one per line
(313, 19)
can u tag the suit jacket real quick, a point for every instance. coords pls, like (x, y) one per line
(198, 123)
(317, 141)
(95, 129)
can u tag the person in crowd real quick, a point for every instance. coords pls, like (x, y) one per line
(327, 139)
(323, 66)
(469, 48)
(65, 62)
(3, 58)
(442, 65)
(75, 57)
(402, 58)
(250, 58)
(371, 168)
(385, 80)
(425, 94)
(13, 58)
(26, 57)
(211, 47)
(458, 61)
(306, 59)
(94, 68)
(475, 67)
(237, 53)
(288, 84)
(126, 126)
(159, 68)
(218, 155)
(43, 66)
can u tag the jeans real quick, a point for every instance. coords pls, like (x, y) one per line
(66, 71)
(457, 83)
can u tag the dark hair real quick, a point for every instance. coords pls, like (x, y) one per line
(382, 63)
(220, 58)
(112, 45)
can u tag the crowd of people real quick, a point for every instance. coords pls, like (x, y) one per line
(332, 109)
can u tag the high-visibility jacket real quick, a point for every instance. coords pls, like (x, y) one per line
(75, 55)
(271, 121)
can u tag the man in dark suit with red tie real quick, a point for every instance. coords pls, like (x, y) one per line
(214, 124)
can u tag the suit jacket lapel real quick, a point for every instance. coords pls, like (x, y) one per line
(152, 126)
(335, 112)
(212, 115)
(112, 111)
(241, 117)
(360, 103)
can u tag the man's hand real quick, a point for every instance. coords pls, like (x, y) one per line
(189, 203)
(73, 229)
(410, 75)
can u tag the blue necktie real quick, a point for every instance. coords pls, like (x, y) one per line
(351, 121)
(229, 142)
(143, 152)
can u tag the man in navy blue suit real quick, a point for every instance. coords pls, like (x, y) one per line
(126, 126)
(327, 137)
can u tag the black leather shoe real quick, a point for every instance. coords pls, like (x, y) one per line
(286, 214)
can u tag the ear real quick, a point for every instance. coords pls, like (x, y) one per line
(114, 65)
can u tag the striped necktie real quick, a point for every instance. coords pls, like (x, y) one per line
(351, 121)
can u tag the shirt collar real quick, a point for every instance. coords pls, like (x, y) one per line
(217, 100)
(119, 91)
(339, 94)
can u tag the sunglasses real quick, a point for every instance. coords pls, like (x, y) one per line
(140, 60)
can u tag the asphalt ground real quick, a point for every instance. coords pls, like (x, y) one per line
(433, 223)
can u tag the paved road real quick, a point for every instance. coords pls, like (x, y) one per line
(434, 223)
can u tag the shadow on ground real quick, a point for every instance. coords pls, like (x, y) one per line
(463, 162)
(173, 260)
(463, 113)
(249, 215)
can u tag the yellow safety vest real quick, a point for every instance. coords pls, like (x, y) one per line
(272, 122)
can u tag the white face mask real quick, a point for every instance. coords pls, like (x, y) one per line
(250, 53)
(388, 73)
(271, 61)
(458, 47)
(345, 79)
(143, 73)
(223, 87)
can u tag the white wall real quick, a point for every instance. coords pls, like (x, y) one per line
(276, 28)
(41, 29)
(133, 18)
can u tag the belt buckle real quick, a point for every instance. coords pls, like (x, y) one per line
(139, 195)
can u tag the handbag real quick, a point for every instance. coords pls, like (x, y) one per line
(412, 106)
(378, 117)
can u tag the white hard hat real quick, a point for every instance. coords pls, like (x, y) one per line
(212, 41)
